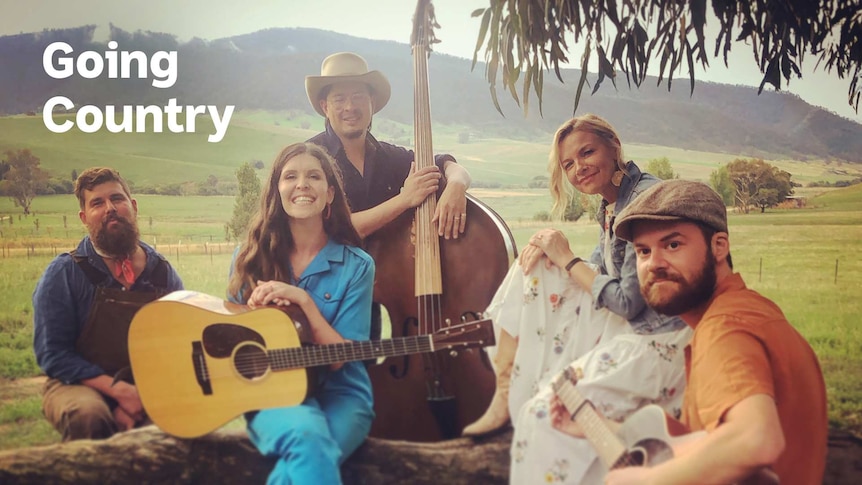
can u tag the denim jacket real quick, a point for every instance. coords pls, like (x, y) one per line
(61, 303)
(621, 294)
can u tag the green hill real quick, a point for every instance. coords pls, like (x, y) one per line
(844, 199)
(152, 159)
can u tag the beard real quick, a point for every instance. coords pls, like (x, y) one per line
(689, 295)
(119, 241)
(353, 134)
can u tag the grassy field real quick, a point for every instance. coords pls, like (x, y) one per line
(164, 158)
(809, 261)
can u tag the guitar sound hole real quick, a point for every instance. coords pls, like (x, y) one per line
(635, 457)
(250, 361)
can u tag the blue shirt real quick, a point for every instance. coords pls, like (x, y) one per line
(622, 294)
(386, 169)
(340, 280)
(61, 303)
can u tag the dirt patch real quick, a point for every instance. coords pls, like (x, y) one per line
(18, 389)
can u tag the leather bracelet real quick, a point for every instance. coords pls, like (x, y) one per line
(573, 262)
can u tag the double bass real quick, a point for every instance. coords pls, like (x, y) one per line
(424, 283)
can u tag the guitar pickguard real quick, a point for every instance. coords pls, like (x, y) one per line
(220, 339)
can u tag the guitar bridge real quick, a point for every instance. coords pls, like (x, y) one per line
(200, 365)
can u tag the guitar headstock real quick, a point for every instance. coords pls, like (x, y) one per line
(424, 23)
(479, 333)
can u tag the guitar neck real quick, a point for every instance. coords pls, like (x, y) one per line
(608, 446)
(316, 355)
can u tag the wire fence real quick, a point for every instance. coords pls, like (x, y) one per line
(169, 250)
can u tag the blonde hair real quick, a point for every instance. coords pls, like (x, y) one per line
(561, 190)
(269, 240)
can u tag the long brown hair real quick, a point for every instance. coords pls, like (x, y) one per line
(561, 190)
(269, 240)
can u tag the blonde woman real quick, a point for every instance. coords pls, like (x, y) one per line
(555, 309)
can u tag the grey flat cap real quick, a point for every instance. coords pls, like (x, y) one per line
(672, 200)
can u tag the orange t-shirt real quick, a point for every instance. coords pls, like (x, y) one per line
(742, 346)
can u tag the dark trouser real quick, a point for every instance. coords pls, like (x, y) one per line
(77, 411)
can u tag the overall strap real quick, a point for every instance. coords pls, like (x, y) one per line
(159, 278)
(96, 277)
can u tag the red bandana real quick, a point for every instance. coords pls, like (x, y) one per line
(124, 268)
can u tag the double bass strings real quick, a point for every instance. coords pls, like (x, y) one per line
(428, 273)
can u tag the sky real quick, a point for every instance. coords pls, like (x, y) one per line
(373, 19)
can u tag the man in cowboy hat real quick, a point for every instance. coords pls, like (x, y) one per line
(380, 179)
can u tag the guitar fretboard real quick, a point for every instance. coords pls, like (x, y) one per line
(315, 355)
(607, 445)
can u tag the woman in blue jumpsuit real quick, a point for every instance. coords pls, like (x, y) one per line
(302, 250)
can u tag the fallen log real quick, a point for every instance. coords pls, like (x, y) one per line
(148, 455)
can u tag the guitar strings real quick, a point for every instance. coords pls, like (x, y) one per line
(301, 357)
(572, 399)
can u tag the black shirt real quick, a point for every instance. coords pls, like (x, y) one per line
(386, 168)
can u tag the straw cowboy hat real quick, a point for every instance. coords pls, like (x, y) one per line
(347, 66)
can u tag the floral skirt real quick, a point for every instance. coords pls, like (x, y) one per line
(619, 371)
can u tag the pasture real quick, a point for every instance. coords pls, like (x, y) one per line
(166, 158)
(809, 261)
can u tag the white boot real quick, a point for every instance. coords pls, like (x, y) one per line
(497, 414)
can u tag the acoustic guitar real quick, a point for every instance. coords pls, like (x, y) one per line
(199, 361)
(642, 440)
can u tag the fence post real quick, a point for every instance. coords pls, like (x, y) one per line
(836, 271)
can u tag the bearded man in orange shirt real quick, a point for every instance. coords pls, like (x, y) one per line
(753, 382)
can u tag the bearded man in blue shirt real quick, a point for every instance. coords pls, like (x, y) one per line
(83, 305)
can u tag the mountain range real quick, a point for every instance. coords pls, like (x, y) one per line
(266, 70)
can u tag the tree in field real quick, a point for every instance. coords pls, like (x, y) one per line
(23, 179)
(660, 167)
(574, 209)
(758, 183)
(247, 199)
(720, 181)
(523, 39)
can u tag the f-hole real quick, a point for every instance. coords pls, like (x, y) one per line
(393, 369)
